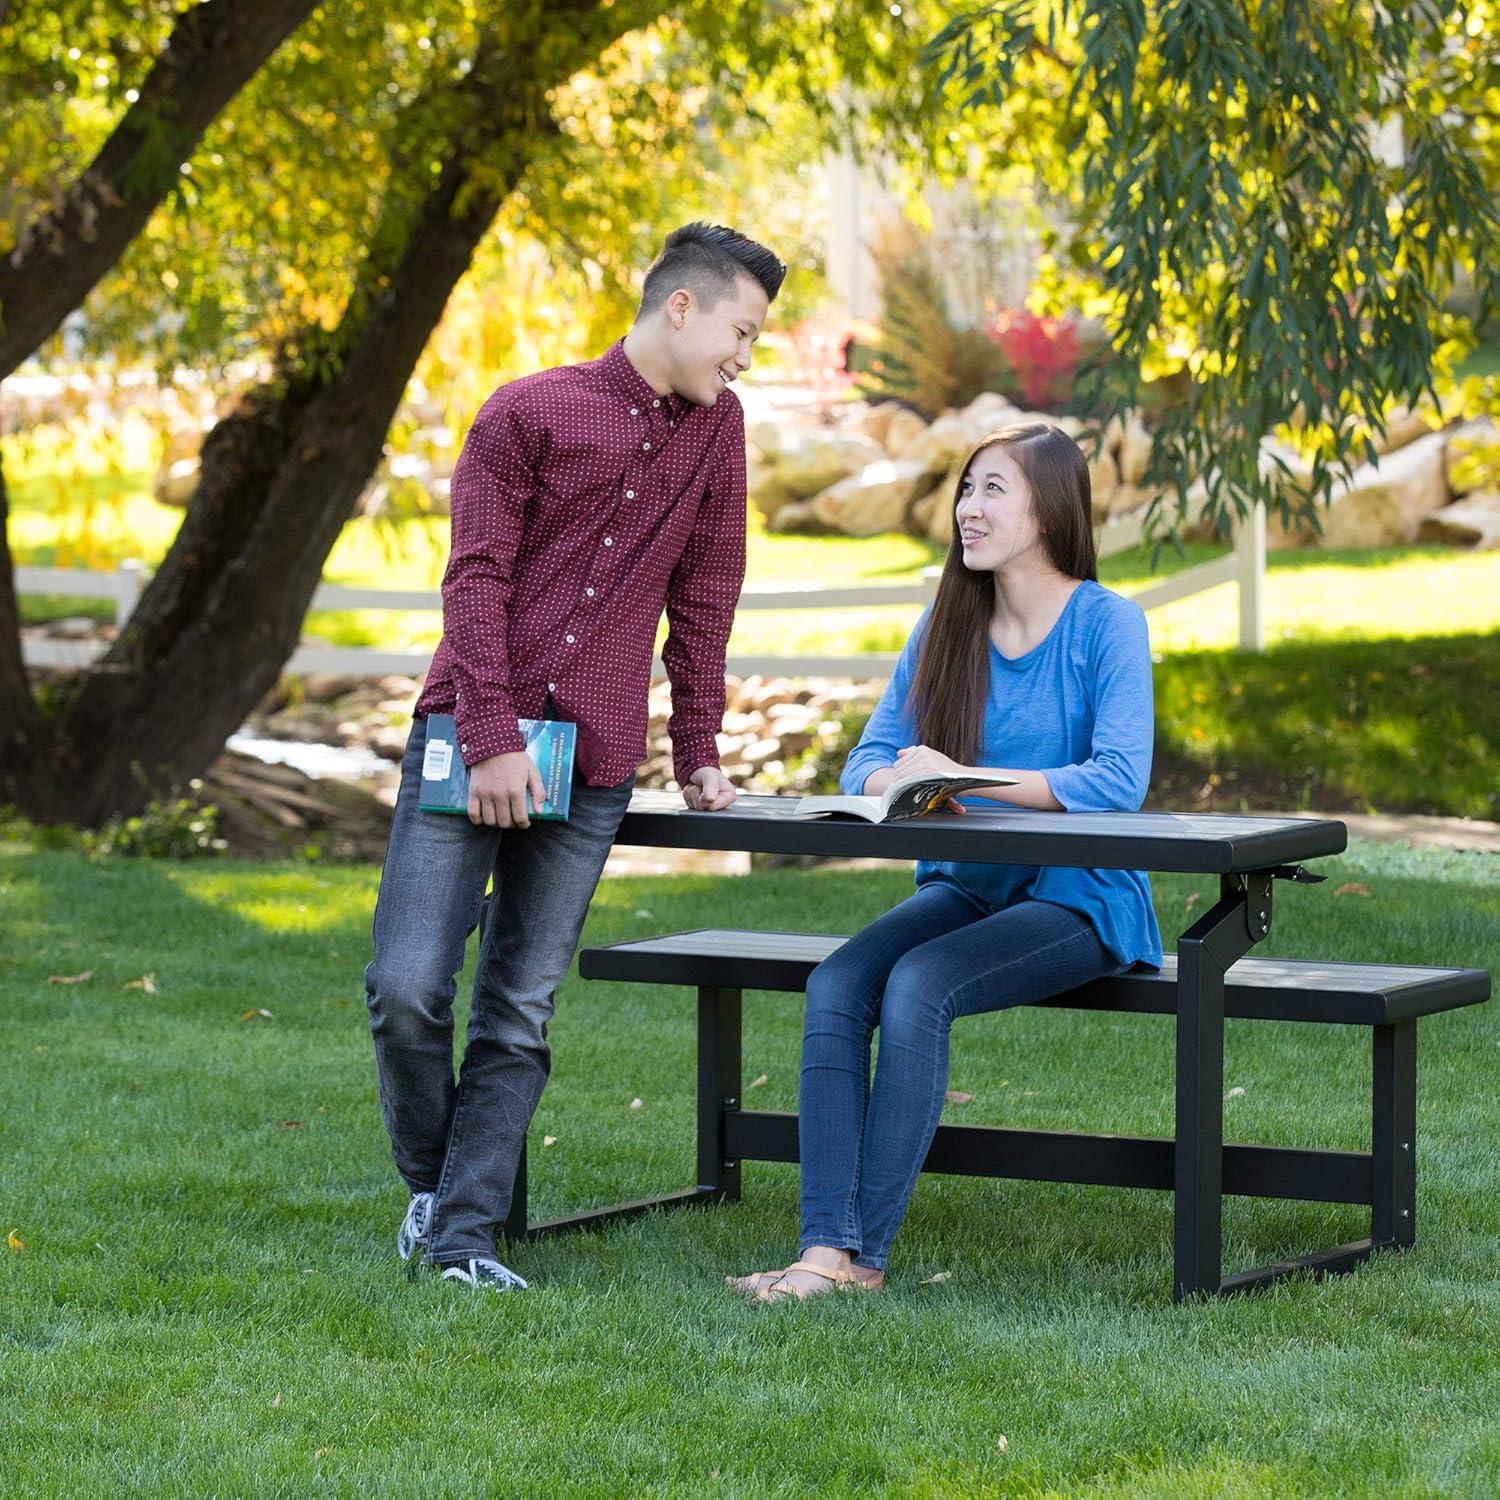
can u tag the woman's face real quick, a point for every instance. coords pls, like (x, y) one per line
(994, 518)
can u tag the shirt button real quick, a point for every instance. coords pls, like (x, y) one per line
(463, 749)
(656, 403)
(551, 687)
(589, 592)
(569, 639)
(635, 411)
(609, 541)
(630, 494)
(646, 447)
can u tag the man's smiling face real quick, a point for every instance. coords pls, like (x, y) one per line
(711, 347)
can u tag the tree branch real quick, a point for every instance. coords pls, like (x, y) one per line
(215, 49)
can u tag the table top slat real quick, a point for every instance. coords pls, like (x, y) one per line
(1184, 843)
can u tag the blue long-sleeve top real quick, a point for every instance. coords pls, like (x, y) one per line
(1077, 707)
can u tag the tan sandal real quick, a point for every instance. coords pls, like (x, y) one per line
(839, 1281)
(752, 1285)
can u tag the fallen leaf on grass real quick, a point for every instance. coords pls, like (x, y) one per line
(1352, 888)
(549, 1140)
(936, 1278)
(146, 982)
(645, 915)
(71, 978)
(637, 1103)
(250, 1015)
(1235, 1093)
(293, 1124)
(13, 1241)
(761, 1082)
(1194, 897)
(320, 1453)
(276, 1401)
(955, 1096)
(1003, 1443)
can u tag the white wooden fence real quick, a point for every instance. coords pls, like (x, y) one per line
(1246, 566)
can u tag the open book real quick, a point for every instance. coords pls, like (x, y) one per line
(902, 799)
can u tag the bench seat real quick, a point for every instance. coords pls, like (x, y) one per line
(1261, 989)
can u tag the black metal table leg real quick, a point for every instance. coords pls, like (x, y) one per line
(718, 1089)
(718, 1096)
(1393, 1213)
(1236, 922)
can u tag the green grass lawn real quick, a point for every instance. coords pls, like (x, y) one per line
(206, 1300)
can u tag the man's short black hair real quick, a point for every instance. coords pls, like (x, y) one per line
(708, 259)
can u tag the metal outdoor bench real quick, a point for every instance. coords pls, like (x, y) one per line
(1389, 999)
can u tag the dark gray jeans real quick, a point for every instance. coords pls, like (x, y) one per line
(462, 1141)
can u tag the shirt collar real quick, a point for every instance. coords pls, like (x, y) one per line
(623, 377)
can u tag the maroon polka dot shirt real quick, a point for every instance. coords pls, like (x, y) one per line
(583, 505)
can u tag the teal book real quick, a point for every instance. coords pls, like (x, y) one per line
(445, 778)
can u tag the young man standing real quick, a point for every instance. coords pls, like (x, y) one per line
(587, 499)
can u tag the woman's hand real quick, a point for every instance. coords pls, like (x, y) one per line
(920, 760)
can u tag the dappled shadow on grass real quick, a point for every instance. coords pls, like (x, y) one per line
(1392, 725)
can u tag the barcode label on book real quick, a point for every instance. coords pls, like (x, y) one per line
(437, 761)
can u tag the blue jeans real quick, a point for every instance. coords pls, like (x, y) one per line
(939, 955)
(462, 1141)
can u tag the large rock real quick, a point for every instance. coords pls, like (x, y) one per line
(1286, 468)
(1125, 499)
(1383, 504)
(796, 516)
(1473, 521)
(875, 423)
(1134, 453)
(1073, 426)
(988, 412)
(177, 475)
(767, 493)
(1104, 481)
(903, 430)
(1472, 460)
(812, 459)
(945, 443)
(1402, 427)
(874, 500)
(767, 437)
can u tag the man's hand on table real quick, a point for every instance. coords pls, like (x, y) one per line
(498, 787)
(709, 790)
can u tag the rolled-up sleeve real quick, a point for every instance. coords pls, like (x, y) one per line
(494, 478)
(701, 595)
(1115, 775)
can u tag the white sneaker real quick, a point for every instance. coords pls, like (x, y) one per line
(483, 1272)
(415, 1227)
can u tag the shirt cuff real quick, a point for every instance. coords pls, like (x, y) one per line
(693, 756)
(481, 739)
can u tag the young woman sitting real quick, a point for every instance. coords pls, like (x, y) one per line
(1027, 666)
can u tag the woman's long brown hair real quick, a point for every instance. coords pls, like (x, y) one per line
(952, 680)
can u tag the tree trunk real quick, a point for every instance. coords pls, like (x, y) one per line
(279, 478)
(214, 50)
(24, 732)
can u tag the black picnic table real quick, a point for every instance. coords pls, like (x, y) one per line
(1248, 854)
